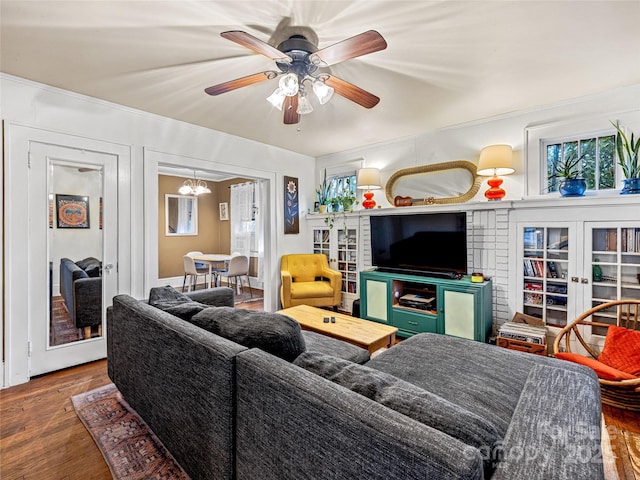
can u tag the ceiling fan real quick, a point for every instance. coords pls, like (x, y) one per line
(301, 64)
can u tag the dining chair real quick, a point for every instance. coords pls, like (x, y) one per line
(238, 268)
(193, 272)
(199, 265)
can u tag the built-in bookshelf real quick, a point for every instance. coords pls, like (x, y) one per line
(615, 267)
(545, 268)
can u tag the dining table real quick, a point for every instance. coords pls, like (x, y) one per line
(213, 260)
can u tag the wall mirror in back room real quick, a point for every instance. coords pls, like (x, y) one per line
(181, 215)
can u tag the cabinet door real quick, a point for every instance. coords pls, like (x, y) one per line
(376, 306)
(612, 262)
(548, 275)
(459, 318)
(347, 255)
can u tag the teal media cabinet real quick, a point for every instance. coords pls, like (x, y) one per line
(417, 304)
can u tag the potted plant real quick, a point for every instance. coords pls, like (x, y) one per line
(627, 149)
(568, 169)
(322, 194)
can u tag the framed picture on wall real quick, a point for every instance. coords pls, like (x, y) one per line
(291, 213)
(224, 211)
(72, 211)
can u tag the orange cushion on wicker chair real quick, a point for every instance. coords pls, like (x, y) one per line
(622, 350)
(604, 371)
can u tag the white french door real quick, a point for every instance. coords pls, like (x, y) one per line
(89, 178)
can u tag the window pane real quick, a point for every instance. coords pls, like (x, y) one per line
(607, 165)
(553, 155)
(588, 149)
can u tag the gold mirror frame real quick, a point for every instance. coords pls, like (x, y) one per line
(429, 169)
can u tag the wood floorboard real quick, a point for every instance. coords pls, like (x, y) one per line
(41, 437)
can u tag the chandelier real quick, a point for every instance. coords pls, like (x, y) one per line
(194, 187)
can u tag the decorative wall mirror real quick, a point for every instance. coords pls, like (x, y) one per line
(439, 183)
(181, 215)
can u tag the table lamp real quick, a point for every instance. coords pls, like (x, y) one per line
(495, 160)
(368, 179)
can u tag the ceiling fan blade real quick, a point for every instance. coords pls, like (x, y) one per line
(241, 82)
(352, 92)
(252, 43)
(291, 115)
(367, 42)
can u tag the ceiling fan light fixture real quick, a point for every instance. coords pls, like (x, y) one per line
(323, 91)
(304, 105)
(277, 98)
(289, 84)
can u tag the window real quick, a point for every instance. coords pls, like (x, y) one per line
(343, 185)
(597, 161)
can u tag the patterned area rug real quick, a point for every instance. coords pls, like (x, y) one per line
(128, 445)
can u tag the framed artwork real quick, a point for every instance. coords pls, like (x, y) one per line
(224, 211)
(291, 212)
(72, 211)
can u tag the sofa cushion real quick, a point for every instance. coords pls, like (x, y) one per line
(622, 350)
(274, 333)
(603, 370)
(183, 310)
(403, 397)
(316, 342)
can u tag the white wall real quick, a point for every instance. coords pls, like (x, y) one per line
(41, 106)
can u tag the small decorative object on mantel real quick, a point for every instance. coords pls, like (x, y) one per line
(627, 149)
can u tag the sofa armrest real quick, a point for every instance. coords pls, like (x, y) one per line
(335, 279)
(216, 297)
(87, 302)
(327, 431)
(555, 428)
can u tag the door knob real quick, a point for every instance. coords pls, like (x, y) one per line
(108, 267)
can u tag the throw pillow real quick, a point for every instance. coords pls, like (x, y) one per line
(274, 333)
(406, 398)
(604, 371)
(622, 350)
(166, 296)
(85, 262)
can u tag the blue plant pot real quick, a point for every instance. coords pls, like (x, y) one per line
(630, 186)
(572, 187)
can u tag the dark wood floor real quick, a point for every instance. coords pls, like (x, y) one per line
(42, 438)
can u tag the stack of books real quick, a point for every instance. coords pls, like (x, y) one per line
(523, 332)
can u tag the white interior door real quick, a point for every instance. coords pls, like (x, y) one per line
(72, 214)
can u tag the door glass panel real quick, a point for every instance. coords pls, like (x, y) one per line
(75, 246)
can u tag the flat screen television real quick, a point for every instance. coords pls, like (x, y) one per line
(425, 244)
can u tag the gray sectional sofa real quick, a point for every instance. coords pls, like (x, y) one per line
(431, 407)
(81, 289)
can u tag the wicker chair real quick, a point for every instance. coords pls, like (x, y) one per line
(623, 393)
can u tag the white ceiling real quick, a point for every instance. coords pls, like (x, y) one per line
(447, 62)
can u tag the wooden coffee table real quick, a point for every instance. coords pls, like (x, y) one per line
(363, 333)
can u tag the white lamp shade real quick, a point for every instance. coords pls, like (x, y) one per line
(323, 91)
(304, 105)
(368, 179)
(289, 84)
(496, 159)
(276, 98)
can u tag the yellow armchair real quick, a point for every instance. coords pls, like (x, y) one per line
(308, 280)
